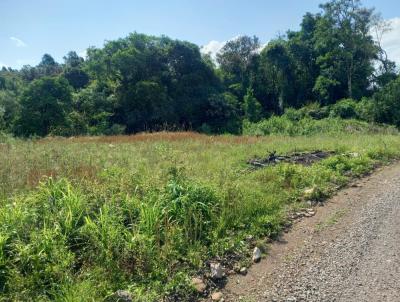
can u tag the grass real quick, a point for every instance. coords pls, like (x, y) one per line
(83, 217)
(292, 126)
(331, 220)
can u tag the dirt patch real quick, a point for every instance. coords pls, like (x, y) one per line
(301, 158)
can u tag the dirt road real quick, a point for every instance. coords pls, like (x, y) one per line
(349, 251)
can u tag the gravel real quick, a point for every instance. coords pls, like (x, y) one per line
(353, 258)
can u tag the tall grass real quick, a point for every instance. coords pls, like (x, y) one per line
(285, 125)
(144, 214)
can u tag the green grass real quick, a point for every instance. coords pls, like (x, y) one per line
(331, 220)
(293, 126)
(81, 218)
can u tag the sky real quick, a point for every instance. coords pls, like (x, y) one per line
(31, 28)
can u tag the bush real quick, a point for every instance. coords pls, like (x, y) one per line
(307, 126)
(387, 103)
(345, 109)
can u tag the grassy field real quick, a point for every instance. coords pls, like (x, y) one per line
(83, 217)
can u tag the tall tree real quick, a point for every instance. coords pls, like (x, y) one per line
(45, 105)
(73, 70)
(48, 66)
(346, 49)
(237, 61)
(156, 81)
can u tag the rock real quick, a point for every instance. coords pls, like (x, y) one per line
(256, 254)
(217, 296)
(217, 271)
(243, 271)
(308, 193)
(120, 296)
(199, 285)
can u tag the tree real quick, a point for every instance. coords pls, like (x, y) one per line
(279, 65)
(223, 114)
(45, 105)
(252, 108)
(94, 106)
(156, 81)
(346, 49)
(387, 103)
(386, 70)
(9, 109)
(146, 106)
(305, 70)
(48, 66)
(73, 70)
(237, 60)
(71, 60)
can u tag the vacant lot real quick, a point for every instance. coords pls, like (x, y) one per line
(83, 217)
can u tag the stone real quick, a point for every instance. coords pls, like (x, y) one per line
(256, 254)
(354, 154)
(243, 271)
(120, 296)
(308, 193)
(199, 285)
(217, 296)
(217, 271)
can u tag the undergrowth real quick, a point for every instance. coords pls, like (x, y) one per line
(145, 216)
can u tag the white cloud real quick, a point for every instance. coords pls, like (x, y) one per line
(18, 42)
(2, 65)
(83, 54)
(391, 40)
(212, 48)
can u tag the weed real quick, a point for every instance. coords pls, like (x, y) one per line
(146, 213)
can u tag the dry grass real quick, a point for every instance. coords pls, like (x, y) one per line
(156, 137)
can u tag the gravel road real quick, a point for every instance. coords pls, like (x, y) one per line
(350, 251)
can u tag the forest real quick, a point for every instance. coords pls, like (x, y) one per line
(334, 64)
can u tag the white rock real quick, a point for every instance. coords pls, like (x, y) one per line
(354, 154)
(217, 271)
(120, 296)
(217, 296)
(256, 254)
(199, 285)
(309, 192)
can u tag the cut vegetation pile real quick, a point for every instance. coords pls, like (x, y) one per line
(83, 218)
(305, 158)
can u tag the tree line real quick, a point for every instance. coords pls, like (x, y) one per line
(148, 83)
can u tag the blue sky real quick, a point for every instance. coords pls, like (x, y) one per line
(30, 28)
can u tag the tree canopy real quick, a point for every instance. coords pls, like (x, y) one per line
(145, 83)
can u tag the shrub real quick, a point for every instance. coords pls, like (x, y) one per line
(345, 109)
(387, 103)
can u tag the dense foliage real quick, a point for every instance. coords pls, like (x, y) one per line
(145, 213)
(143, 82)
